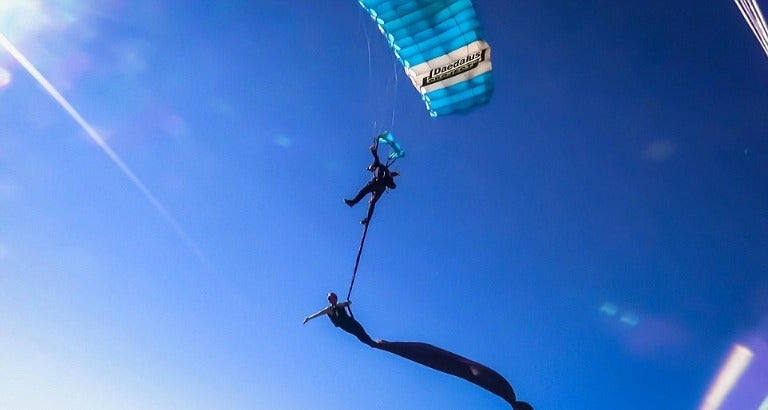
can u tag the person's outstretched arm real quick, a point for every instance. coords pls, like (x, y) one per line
(375, 153)
(320, 313)
(326, 311)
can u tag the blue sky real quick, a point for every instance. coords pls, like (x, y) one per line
(618, 172)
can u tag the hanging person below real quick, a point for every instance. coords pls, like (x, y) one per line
(425, 354)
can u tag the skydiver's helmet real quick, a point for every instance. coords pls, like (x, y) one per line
(332, 298)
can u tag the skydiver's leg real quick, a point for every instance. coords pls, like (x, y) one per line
(371, 205)
(360, 195)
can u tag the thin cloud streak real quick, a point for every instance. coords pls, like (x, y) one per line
(47, 86)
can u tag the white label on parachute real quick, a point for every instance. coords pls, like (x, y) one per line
(457, 66)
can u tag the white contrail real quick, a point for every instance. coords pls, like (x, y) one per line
(106, 148)
(751, 12)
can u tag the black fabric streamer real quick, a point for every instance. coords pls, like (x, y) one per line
(435, 358)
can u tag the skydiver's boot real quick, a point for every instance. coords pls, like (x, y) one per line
(364, 221)
(350, 203)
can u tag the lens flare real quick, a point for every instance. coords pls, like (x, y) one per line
(5, 78)
(737, 363)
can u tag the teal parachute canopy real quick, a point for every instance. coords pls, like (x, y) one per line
(395, 150)
(440, 45)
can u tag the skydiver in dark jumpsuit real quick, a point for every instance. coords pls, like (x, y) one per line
(381, 180)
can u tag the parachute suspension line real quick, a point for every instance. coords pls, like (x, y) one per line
(357, 260)
(394, 102)
(370, 100)
(362, 26)
(751, 12)
(370, 65)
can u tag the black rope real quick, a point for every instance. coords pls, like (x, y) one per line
(357, 260)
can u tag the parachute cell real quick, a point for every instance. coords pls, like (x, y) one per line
(440, 45)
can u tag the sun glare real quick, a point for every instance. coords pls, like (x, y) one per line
(19, 18)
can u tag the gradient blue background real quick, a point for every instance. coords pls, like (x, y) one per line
(623, 161)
